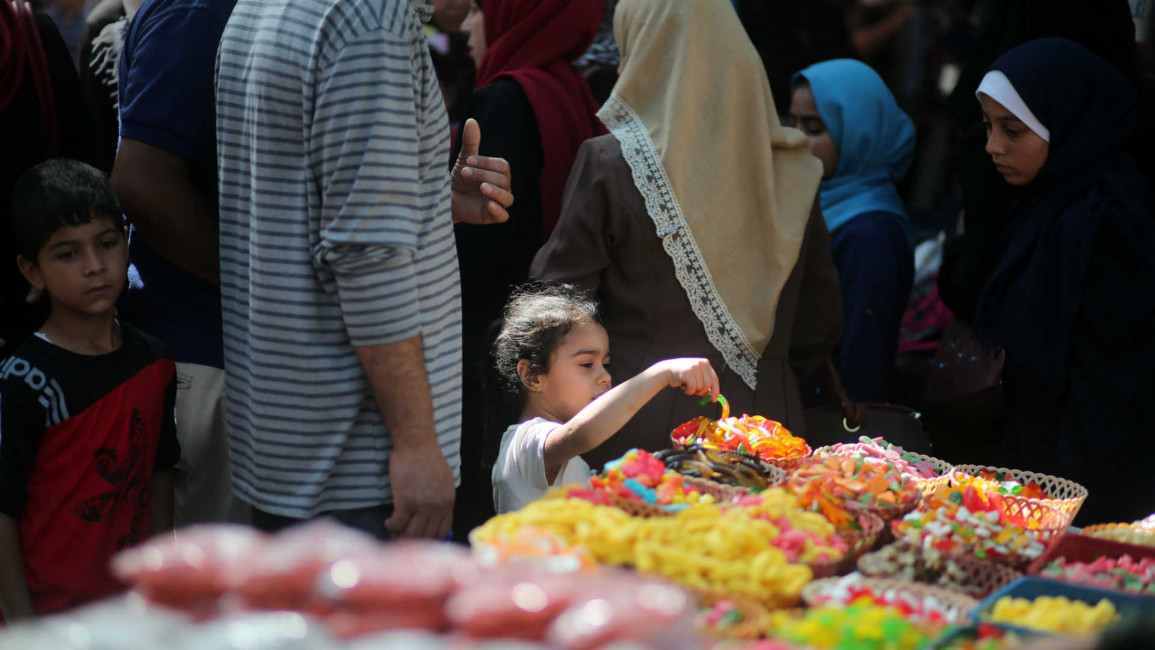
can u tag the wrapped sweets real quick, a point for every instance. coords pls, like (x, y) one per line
(1124, 573)
(949, 526)
(1054, 614)
(639, 476)
(821, 484)
(856, 627)
(877, 449)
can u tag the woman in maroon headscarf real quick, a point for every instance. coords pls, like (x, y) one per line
(535, 110)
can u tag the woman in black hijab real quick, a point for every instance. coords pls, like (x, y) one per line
(1072, 295)
(1103, 26)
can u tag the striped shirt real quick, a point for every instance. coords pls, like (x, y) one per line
(335, 232)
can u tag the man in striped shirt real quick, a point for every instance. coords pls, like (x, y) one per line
(339, 278)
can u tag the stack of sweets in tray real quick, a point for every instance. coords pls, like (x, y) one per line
(1123, 574)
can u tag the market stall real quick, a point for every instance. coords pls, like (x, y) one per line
(741, 536)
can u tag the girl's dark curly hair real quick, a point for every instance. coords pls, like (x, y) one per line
(536, 319)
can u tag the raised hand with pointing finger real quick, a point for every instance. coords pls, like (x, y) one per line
(480, 184)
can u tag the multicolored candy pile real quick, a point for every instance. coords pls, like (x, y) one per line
(854, 590)
(877, 449)
(804, 536)
(904, 561)
(1004, 483)
(985, 637)
(1054, 614)
(1122, 573)
(856, 627)
(964, 523)
(638, 476)
(752, 434)
(834, 484)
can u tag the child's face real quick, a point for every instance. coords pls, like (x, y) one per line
(1018, 152)
(578, 371)
(82, 267)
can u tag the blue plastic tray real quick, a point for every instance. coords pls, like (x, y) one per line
(1030, 588)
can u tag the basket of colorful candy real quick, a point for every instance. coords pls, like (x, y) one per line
(926, 471)
(751, 434)
(917, 602)
(729, 616)
(1061, 494)
(732, 468)
(1126, 533)
(959, 572)
(990, 526)
(858, 626)
(640, 484)
(876, 487)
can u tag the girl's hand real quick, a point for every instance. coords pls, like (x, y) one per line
(693, 376)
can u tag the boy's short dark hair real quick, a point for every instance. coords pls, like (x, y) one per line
(56, 194)
(536, 319)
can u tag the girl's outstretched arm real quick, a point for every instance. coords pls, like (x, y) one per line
(603, 417)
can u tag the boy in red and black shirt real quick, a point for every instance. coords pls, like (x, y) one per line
(87, 432)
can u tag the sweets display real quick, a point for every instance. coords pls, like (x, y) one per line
(1126, 533)
(751, 434)
(927, 472)
(804, 536)
(1124, 573)
(855, 627)
(1054, 614)
(704, 547)
(1063, 495)
(963, 573)
(727, 467)
(832, 484)
(984, 637)
(961, 521)
(639, 476)
(914, 602)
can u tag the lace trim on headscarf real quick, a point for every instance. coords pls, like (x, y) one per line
(662, 205)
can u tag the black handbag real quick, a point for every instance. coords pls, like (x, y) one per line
(843, 420)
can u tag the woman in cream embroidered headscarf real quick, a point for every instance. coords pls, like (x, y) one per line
(696, 221)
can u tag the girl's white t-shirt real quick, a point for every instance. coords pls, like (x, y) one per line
(519, 474)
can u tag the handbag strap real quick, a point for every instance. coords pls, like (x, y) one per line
(853, 414)
(42, 79)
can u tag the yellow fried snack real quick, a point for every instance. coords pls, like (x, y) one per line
(703, 546)
(1055, 614)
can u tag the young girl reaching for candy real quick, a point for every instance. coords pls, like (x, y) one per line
(554, 351)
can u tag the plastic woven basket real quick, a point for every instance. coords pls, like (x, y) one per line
(1066, 496)
(721, 493)
(928, 485)
(957, 606)
(970, 575)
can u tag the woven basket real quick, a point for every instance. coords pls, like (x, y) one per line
(956, 604)
(928, 485)
(790, 463)
(979, 579)
(635, 508)
(755, 616)
(722, 493)
(1066, 496)
(1127, 533)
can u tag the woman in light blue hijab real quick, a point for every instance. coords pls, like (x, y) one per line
(866, 144)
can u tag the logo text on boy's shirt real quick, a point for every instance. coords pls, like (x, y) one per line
(51, 395)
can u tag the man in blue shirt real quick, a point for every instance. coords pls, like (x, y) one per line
(166, 177)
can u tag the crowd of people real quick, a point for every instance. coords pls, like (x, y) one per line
(274, 261)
